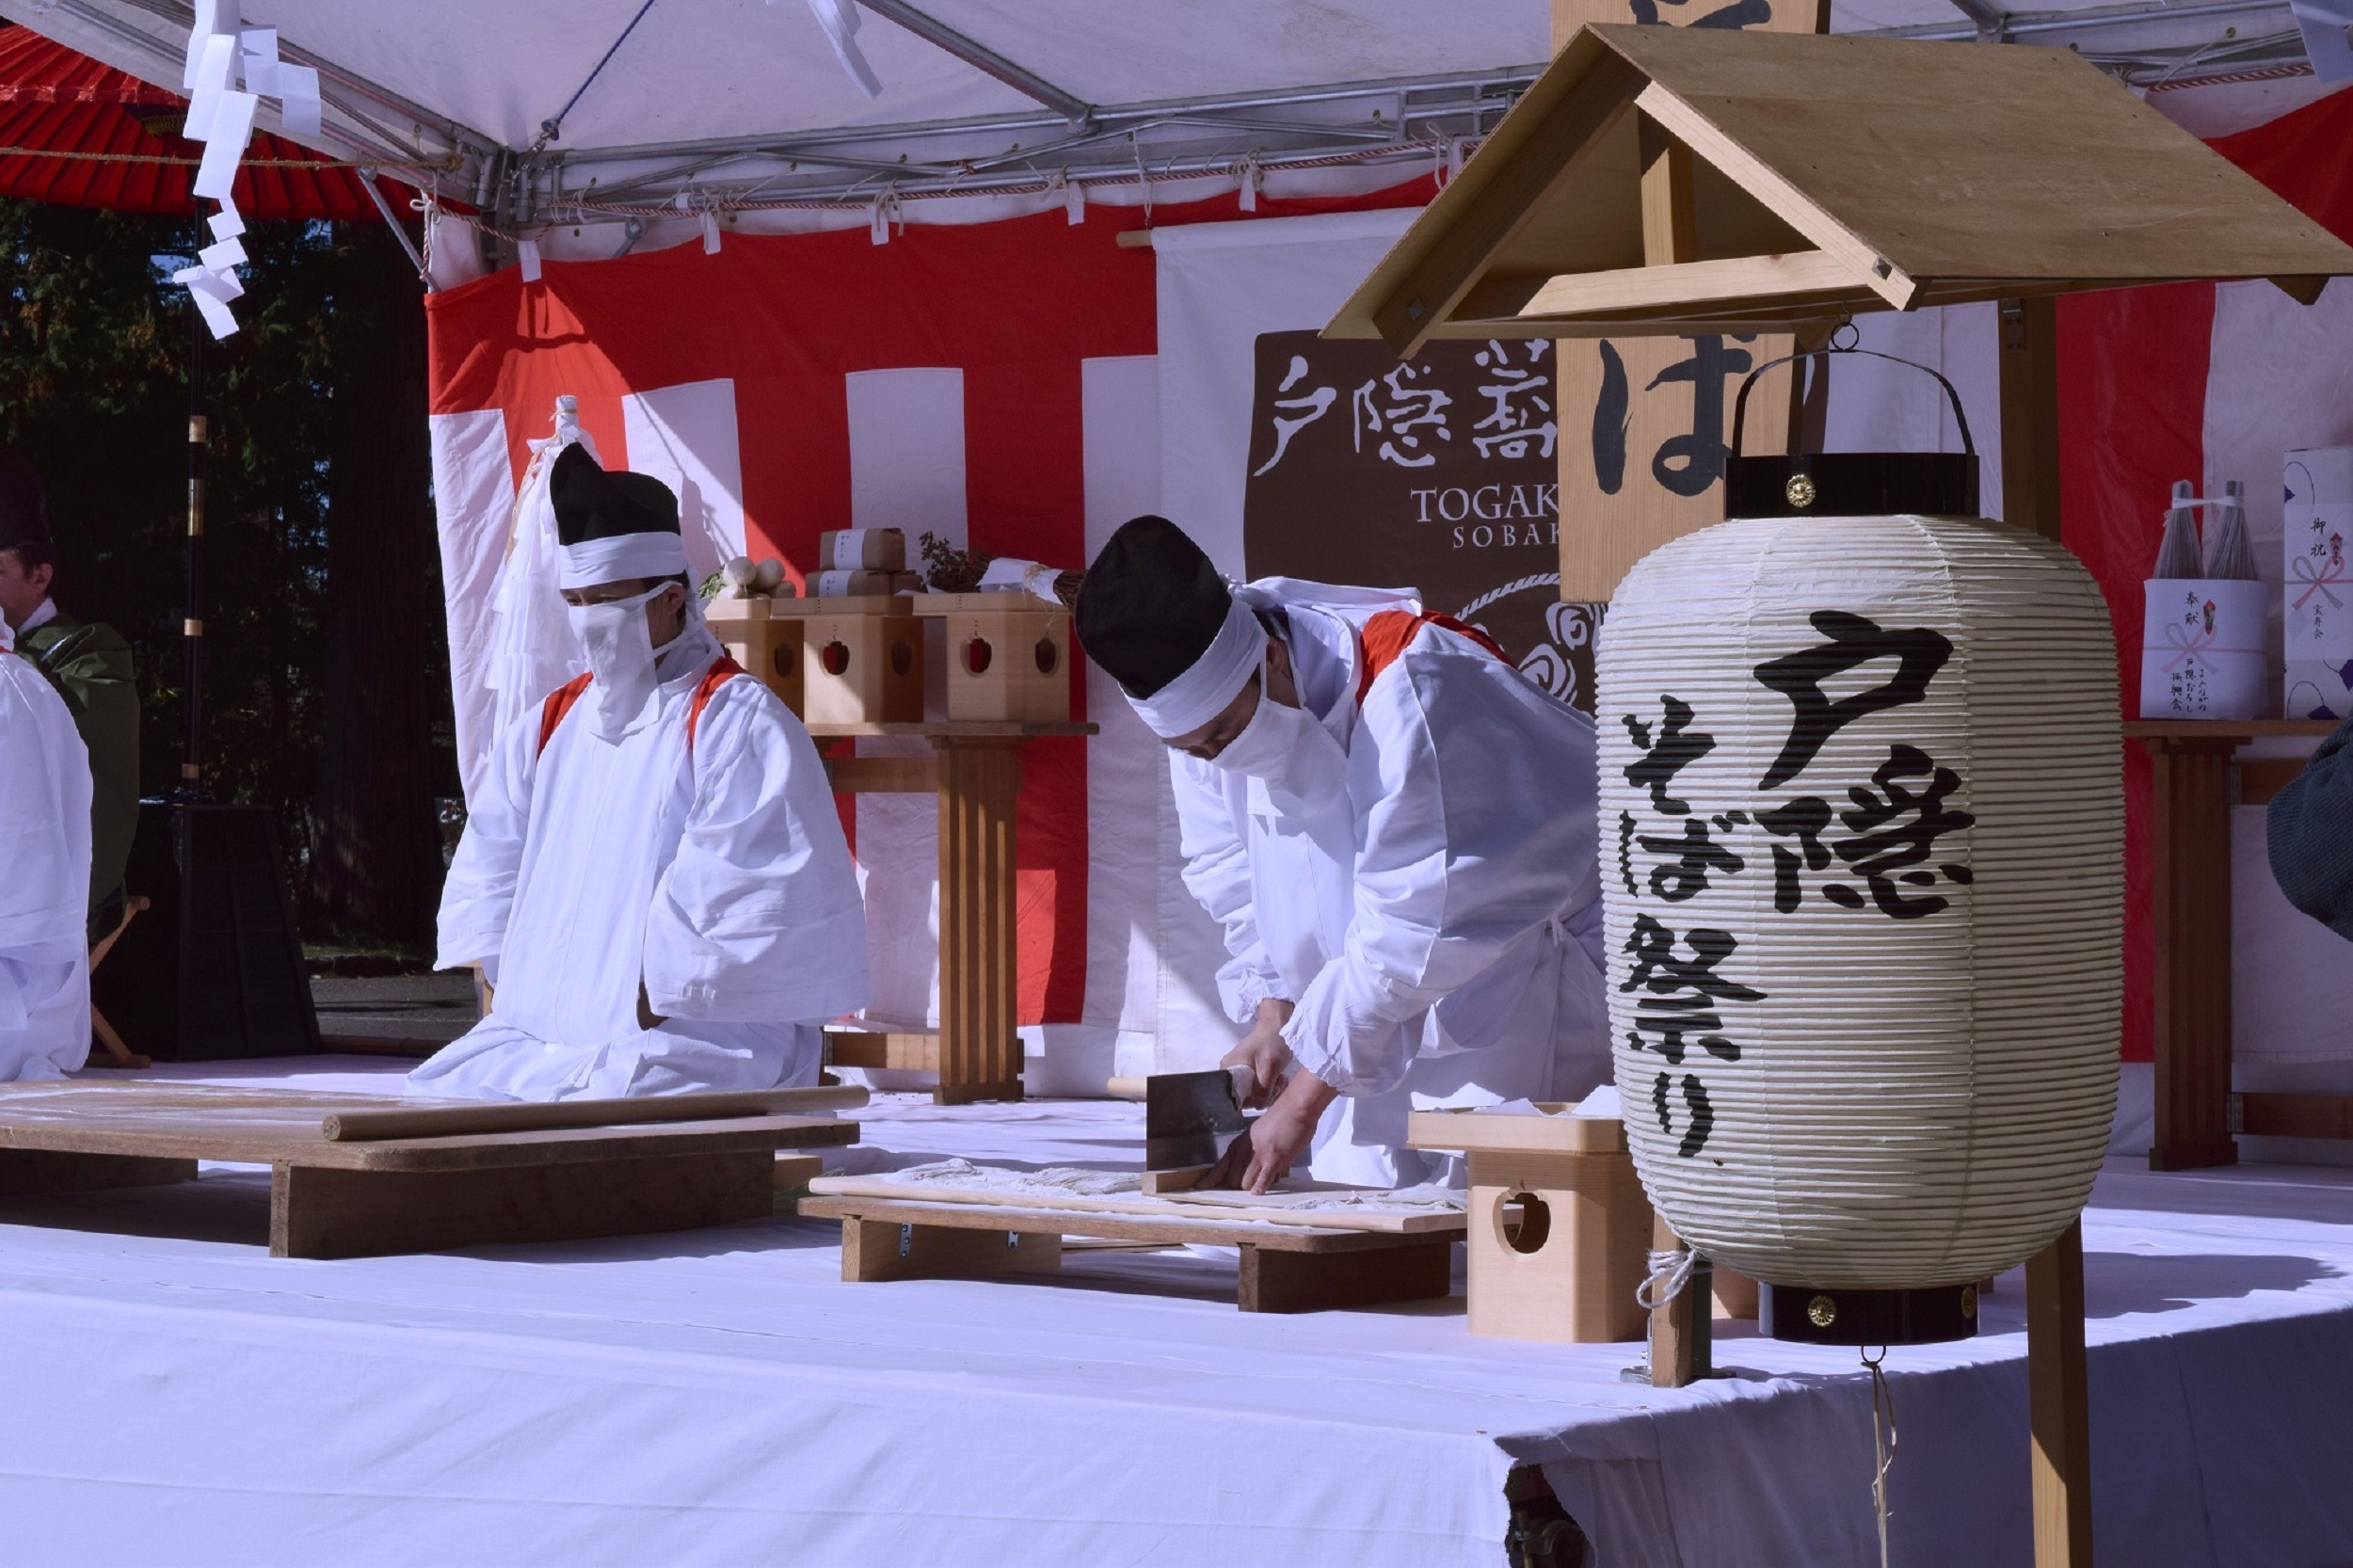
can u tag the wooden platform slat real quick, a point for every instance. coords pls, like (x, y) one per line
(1270, 1208)
(1175, 1230)
(273, 1127)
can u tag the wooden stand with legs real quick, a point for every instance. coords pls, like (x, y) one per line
(975, 769)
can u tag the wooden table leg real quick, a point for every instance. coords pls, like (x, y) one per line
(24, 1171)
(318, 1213)
(1321, 1282)
(884, 1249)
(980, 1051)
(2059, 1411)
(2190, 909)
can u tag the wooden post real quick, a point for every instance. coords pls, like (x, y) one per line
(1621, 399)
(2030, 378)
(2190, 909)
(2059, 1410)
(980, 1052)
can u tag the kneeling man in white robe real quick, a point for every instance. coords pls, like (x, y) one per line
(1395, 829)
(654, 876)
(44, 875)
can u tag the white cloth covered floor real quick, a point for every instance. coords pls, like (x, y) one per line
(174, 1393)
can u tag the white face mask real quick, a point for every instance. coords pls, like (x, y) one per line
(621, 656)
(1288, 748)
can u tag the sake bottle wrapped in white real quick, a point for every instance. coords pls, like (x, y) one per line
(2203, 641)
(2316, 584)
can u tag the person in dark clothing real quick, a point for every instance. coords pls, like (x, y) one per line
(2311, 833)
(89, 665)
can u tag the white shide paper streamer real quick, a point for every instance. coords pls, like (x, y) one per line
(1915, 1102)
(231, 69)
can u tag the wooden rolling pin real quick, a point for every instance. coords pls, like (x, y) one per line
(444, 1121)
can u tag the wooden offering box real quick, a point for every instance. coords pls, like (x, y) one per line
(861, 662)
(1567, 1270)
(764, 636)
(1003, 656)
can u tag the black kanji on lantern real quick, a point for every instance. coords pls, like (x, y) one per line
(1683, 994)
(1701, 1118)
(1919, 653)
(1677, 748)
(1682, 873)
(1892, 840)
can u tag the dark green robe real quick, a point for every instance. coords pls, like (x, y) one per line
(90, 666)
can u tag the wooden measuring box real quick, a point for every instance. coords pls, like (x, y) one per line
(763, 636)
(1567, 1267)
(862, 661)
(1001, 656)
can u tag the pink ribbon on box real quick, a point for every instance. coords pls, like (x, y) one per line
(2194, 645)
(2318, 581)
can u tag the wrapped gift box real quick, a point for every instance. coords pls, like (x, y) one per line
(2316, 688)
(2316, 579)
(2202, 650)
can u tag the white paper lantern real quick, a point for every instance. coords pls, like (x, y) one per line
(1862, 855)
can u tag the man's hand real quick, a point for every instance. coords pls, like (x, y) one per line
(646, 1018)
(1263, 1052)
(1278, 1138)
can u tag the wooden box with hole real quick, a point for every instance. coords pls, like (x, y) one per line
(862, 661)
(1559, 1227)
(764, 636)
(1002, 657)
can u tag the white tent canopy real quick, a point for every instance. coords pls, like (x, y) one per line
(592, 114)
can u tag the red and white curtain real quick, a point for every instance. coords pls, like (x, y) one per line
(1025, 386)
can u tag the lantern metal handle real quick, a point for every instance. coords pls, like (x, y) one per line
(1740, 404)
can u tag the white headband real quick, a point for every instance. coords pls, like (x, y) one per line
(1199, 694)
(592, 562)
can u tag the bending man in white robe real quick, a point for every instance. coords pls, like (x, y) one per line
(1395, 829)
(652, 875)
(44, 877)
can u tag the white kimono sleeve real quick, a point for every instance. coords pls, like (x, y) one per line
(1474, 794)
(1217, 873)
(758, 919)
(478, 894)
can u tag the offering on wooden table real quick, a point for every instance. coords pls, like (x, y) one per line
(999, 656)
(862, 549)
(357, 1176)
(1300, 1251)
(1862, 821)
(2316, 585)
(861, 662)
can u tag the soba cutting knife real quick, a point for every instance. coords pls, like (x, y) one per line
(1191, 1119)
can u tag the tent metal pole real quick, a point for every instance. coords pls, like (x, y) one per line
(192, 625)
(940, 36)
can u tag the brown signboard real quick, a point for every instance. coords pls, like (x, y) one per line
(1440, 473)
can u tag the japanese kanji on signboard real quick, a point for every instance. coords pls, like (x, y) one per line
(1438, 473)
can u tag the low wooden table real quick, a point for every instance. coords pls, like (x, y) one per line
(975, 769)
(1285, 1268)
(2190, 910)
(428, 1175)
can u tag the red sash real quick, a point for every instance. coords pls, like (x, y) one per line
(560, 700)
(1387, 635)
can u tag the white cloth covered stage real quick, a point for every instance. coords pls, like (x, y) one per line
(174, 1394)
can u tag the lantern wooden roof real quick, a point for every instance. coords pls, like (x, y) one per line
(1683, 180)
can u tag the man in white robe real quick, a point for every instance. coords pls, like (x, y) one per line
(653, 875)
(44, 875)
(1396, 830)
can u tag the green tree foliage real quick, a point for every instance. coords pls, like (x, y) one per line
(95, 342)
